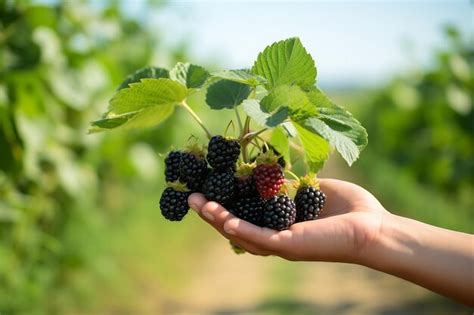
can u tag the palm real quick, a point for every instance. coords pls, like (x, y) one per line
(350, 219)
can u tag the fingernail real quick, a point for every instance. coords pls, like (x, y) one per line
(194, 207)
(229, 230)
(208, 215)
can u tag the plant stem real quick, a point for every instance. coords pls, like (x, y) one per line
(196, 117)
(241, 127)
(244, 142)
(292, 175)
(244, 152)
(247, 126)
(252, 135)
(296, 147)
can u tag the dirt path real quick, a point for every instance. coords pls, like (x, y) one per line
(229, 284)
(225, 281)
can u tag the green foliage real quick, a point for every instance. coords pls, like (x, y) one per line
(240, 76)
(422, 123)
(337, 126)
(191, 76)
(316, 149)
(263, 118)
(286, 62)
(279, 90)
(281, 143)
(142, 104)
(226, 94)
(148, 72)
(59, 186)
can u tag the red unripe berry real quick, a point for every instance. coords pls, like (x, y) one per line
(269, 178)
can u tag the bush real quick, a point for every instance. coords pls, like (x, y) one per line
(421, 127)
(59, 65)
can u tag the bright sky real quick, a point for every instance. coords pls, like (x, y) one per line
(355, 42)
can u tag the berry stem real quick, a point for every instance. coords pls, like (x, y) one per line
(196, 117)
(244, 153)
(244, 142)
(251, 135)
(239, 120)
(293, 175)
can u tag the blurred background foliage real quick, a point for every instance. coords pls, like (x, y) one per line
(80, 229)
(421, 126)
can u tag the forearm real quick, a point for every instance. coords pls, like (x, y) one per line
(437, 259)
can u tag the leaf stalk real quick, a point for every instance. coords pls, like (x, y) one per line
(196, 118)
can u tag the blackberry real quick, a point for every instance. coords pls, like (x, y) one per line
(192, 166)
(249, 209)
(195, 183)
(245, 186)
(174, 204)
(219, 186)
(309, 203)
(222, 153)
(245, 181)
(172, 162)
(279, 213)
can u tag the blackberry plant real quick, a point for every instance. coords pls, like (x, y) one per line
(279, 112)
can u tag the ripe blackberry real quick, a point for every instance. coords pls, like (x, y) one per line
(174, 204)
(249, 209)
(245, 186)
(219, 186)
(279, 213)
(172, 162)
(244, 181)
(309, 203)
(195, 184)
(192, 166)
(222, 153)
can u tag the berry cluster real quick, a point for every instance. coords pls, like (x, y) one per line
(254, 192)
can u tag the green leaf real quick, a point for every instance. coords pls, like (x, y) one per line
(337, 126)
(316, 149)
(147, 117)
(253, 109)
(189, 75)
(243, 76)
(291, 96)
(226, 94)
(280, 142)
(286, 62)
(289, 128)
(143, 104)
(148, 72)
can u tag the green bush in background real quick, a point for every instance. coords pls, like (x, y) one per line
(60, 187)
(420, 156)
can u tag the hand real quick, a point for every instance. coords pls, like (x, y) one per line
(348, 225)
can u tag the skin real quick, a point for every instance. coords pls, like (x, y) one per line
(355, 228)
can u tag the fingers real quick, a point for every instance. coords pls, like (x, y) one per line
(216, 215)
(196, 201)
(262, 237)
(210, 211)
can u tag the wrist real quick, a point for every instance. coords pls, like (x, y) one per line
(389, 238)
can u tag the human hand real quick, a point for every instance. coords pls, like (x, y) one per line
(350, 222)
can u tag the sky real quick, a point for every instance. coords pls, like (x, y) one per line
(352, 42)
